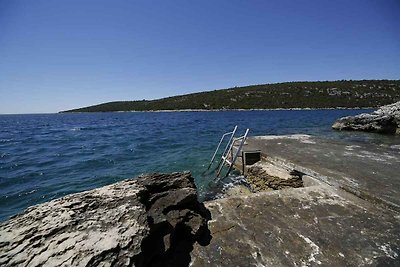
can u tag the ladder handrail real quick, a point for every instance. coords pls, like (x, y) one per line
(230, 150)
(220, 142)
(227, 147)
(237, 152)
(225, 155)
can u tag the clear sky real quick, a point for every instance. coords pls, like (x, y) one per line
(57, 55)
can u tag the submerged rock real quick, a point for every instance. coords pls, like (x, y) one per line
(153, 220)
(384, 120)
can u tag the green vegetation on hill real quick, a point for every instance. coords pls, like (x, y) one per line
(328, 94)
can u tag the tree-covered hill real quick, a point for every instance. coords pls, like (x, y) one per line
(328, 94)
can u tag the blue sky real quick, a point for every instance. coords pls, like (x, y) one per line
(57, 55)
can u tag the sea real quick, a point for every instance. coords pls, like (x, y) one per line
(47, 156)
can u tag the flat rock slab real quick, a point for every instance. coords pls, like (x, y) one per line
(369, 171)
(310, 226)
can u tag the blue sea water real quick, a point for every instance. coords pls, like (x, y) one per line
(46, 156)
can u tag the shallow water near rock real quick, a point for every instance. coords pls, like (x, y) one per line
(46, 156)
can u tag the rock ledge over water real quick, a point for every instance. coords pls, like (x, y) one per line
(385, 120)
(153, 220)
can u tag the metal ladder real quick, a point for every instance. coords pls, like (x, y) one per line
(229, 150)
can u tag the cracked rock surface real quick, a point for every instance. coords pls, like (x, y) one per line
(385, 120)
(153, 220)
(307, 226)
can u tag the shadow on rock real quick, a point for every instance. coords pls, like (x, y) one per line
(177, 220)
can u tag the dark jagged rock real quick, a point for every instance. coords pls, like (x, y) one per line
(260, 180)
(150, 221)
(385, 120)
(176, 220)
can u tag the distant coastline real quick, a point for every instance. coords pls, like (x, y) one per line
(219, 110)
(228, 110)
(362, 94)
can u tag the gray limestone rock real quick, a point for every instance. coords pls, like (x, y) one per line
(153, 220)
(308, 226)
(384, 120)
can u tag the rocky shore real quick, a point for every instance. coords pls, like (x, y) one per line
(385, 120)
(153, 220)
(316, 202)
(303, 207)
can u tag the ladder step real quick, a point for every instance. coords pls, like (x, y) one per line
(226, 160)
